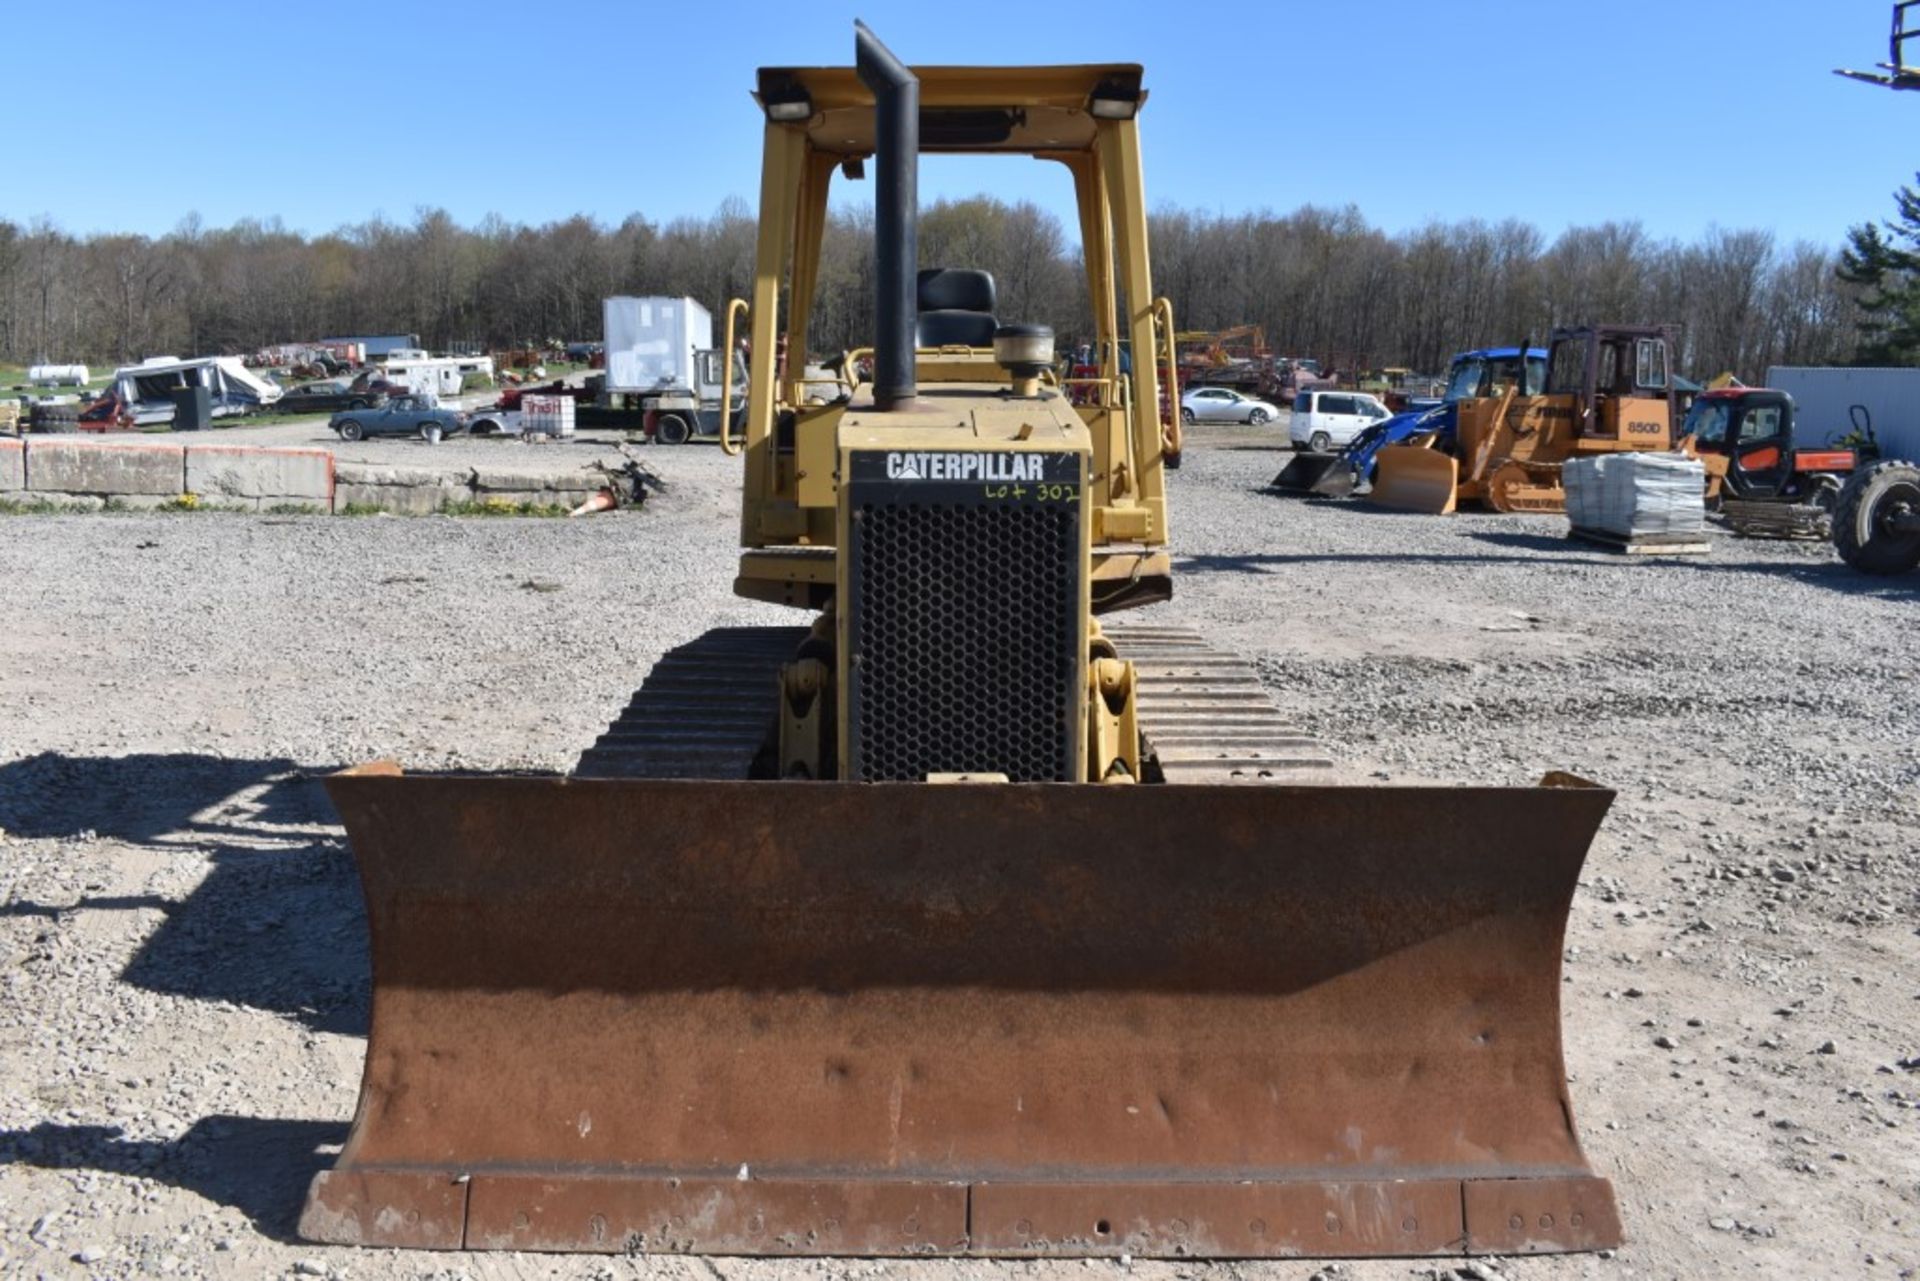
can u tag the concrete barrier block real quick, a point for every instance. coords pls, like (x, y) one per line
(261, 477)
(406, 491)
(538, 488)
(114, 470)
(13, 466)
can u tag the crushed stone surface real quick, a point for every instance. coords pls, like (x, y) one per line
(183, 975)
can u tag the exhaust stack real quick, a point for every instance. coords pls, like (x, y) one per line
(896, 198)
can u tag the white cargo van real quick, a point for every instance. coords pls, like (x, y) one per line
(1327, 420)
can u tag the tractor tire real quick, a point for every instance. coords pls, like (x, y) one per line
(672, 429)
(54, 420)
(1863, 521)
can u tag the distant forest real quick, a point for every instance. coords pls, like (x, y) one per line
(1322, 282)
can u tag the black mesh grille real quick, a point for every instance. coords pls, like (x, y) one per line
(964, 626)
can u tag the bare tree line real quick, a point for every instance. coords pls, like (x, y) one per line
(1322, 282)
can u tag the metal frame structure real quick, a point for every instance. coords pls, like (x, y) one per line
(1896, 72)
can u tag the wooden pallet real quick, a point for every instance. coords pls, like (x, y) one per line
(1645, 544)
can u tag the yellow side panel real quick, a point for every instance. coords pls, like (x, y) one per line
(814, 436)
(1640, 422)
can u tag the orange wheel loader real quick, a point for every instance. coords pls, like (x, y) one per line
(965, 917)
(1609, 390)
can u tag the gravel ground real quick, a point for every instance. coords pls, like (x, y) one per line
(182, 949)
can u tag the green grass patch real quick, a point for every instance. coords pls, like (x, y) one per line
(13, 382)
(503, 507)
(466, 507)
(34, 507)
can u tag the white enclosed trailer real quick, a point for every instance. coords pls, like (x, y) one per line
(662, 361)
(1824, 397)
(651, 342)
(434, 375)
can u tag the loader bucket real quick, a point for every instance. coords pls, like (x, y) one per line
(1304, 471)
(1415, 478)
(798, 1018)
(1339, 482)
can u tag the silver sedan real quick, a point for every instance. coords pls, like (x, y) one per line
(1224, 405)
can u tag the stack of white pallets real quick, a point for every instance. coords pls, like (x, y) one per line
(1643, 504)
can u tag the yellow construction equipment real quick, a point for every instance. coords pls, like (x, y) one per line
(967, 919)
(1609, 389)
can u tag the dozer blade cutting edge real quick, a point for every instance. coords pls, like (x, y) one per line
(1304, 473)
(1415, 478)
(829, 1018)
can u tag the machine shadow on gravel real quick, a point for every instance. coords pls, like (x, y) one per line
(1833, 574)
(277, 923)
(1267, 562)
(259, 1167)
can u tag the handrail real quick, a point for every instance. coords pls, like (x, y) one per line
(851, 368)
(1121, 388)
(727, 445)
(1163, 311)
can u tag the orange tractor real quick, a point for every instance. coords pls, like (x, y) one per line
(1768, 480)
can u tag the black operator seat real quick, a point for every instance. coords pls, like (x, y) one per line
(956, 308)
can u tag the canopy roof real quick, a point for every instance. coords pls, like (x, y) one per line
(962, 109)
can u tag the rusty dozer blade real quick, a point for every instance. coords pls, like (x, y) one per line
(843, 1019)
(1305, 472)
(1415, 478)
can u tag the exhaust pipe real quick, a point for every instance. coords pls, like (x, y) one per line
(896, 198)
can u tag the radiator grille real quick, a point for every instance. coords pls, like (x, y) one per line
(964, 629)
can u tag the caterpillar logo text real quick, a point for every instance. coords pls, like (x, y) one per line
(966, 466)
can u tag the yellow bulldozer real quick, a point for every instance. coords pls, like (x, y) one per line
(1609, 389)
(963, 918)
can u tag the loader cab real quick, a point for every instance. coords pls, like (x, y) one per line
(1754, 432)
(1478, 375)
(1749, 431)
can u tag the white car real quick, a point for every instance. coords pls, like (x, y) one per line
(1224, 405)
(1326, 420)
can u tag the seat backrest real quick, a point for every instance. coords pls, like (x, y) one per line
(956, 308)
(956, 289)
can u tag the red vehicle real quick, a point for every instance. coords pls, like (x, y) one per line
(510, 396)
(107, 413)
(1770, 480)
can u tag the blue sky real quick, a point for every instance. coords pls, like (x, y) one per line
(1682, 114)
